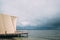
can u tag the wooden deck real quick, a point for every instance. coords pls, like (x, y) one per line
(18, 34)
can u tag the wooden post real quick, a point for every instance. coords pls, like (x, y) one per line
(5, 32)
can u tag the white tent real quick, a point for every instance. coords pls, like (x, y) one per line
(7, 24)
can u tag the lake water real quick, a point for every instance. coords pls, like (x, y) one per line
(41, 35)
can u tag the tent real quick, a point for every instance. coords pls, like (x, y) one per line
(7, 24)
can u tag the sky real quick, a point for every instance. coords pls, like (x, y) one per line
(32, 12)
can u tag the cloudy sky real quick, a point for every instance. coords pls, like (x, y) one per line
(32, 12)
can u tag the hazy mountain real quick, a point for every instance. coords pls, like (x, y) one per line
(36, 28)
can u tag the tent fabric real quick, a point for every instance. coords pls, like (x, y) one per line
(7, 24)
(13, 18)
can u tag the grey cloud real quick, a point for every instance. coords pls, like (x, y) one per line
(53, 23)
(37, 12)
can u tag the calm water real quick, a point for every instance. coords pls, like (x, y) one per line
(41, 35)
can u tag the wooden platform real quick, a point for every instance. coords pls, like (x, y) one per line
(14, 35)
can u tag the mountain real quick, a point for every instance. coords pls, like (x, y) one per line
(36, 28)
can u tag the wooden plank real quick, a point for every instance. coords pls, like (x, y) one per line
(13, 35)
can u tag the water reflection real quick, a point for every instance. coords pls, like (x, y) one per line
(20, 38)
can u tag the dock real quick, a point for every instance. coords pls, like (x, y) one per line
(13, 35)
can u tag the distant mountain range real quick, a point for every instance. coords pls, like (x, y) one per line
(36, 28)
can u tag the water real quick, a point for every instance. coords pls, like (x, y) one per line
(40, 35)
